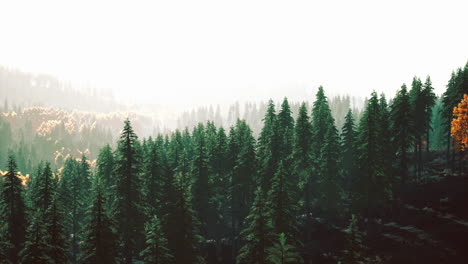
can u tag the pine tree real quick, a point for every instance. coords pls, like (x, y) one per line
(242, 149)
(282, 205)
(181, 227)
(302, 158)
(285, 130)
(348, 147)
(12, 214)
(57, 242)
(268, 147)
(321, 121)
(401, 127)
(105, 165)
(329, 197)
(368, 192)
(429, 99)
(200, 176)
(355, 249)
(282, 253)
(99, 245)
(36, 248)
(418, 113)
(156, 251)
(258, 234)
(128, 207)
(43, 189)
(152, 178)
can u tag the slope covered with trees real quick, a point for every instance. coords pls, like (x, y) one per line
(303, 191)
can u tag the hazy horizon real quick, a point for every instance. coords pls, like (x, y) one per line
(191, 55)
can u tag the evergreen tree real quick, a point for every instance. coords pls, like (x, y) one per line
(282, 253)
(285, 130)
(152, 178)
(348, 147)
(429, 98)
(354, 252)
(105, 165)
(321, 121)
(43, 189)
(128, 207)
(282, 206)
(302, 158)
(242, 148)
(329, 197)
(200, 176)
(268, 147)
(401, 127)
(369, 190)
(12, 213)
(181, 227)
(57, 241)
(418, 113)
(156, 251)
(258, 234)
(36, 247)
(99, 244)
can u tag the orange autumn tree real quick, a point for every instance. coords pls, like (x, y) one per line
(460, 124)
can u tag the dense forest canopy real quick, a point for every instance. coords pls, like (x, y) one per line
(321, 181)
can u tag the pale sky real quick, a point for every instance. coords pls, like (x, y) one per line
(201, 52)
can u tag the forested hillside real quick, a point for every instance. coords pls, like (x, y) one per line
(317, 183)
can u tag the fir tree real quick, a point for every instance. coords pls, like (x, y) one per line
(156, 251)
(105, 165)
(401, 127)
(285, 130)
(268, 147)
(56, 234)
(302, 158)
(128, 207)
(242, 147)
(99, 245)
(368, 192)
(354, 252)
(12, 213)
(200, 176)
(282, 206)
(282, 253)
(429, 98)
(348, 147)
(36, 248)
(328, 173)
(258, 234)
(152, 178)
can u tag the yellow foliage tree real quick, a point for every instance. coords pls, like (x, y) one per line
(460, 124)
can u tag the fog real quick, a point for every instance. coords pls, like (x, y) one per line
(194, 53)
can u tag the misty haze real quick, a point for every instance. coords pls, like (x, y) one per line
(246, 132)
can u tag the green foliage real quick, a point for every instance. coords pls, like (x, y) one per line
(302, 159)
(348, 150)
(128, 206)
(283, 208)
(355, 250)
(258, 234)
(402, 130)
(99, 245)
(370, 190)
(156, 251)
(282, 253)
(12, 214)
(268, 147)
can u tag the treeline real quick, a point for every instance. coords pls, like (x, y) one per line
(217, 196)
(253, 113)
(25, 89)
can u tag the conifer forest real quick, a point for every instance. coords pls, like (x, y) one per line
(100, 176)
